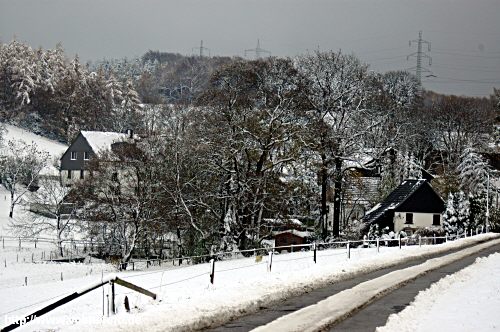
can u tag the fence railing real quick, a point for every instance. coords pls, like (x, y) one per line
(77, 248)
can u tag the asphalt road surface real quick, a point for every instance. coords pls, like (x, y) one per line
(376, 313)
(366, 319)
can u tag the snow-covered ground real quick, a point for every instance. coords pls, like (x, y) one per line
(53, 148)
(468, 300)
(186, 299)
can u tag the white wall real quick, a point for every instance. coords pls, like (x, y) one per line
(75, 176)
(420, 220)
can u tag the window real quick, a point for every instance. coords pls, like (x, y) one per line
(85, 155)
(409, 218)
(82, 174)
(73, 155)
(436, 220)
(69, 174)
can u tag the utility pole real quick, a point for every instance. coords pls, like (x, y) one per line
(419, 54)
(201, 49)
(258, 51)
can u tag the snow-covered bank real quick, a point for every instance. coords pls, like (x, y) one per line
(468, 300)
(187, 301)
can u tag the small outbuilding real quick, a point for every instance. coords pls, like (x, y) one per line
(290, 237)
(413, 204)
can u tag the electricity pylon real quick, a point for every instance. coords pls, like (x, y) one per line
(201, 49)
(258, 51)
(419, 54)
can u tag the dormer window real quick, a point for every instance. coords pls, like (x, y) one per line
(73, 155)
(85, 155)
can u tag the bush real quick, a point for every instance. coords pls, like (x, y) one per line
(430, 232)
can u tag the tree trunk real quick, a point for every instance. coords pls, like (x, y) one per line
(336, 197)
(11, 212)
(59, 238)
(324, 189)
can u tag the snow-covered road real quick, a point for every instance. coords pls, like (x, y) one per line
(339, 306)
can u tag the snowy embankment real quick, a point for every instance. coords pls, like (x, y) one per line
(187, 301)
(53, 148)
(468, 300)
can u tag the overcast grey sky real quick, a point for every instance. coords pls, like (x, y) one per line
(465, 34)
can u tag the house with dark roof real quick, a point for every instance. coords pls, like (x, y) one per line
(413, 204)
(88, 145)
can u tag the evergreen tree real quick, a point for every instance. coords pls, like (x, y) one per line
(456, 216)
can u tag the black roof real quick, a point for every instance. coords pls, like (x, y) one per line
(395, 199)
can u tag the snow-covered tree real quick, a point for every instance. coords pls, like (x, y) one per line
(20, 168)
(456, 216)
(473, 172)
(53, 213)
(336, 93)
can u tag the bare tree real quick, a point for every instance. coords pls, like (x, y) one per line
(120, 198)
(20, 166)
(53, 211)
(336, 93)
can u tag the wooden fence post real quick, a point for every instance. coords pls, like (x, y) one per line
(378, 245)
(212, 269)
(348, 249)
(314, 248)
(270, 261)
(399, 240)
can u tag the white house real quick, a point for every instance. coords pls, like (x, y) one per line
(413, 204)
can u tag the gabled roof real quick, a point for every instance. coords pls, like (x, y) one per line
(394, 200)
(101, 141)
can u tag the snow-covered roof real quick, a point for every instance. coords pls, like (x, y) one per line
(280, 221)
(101, 141)
(295, 232)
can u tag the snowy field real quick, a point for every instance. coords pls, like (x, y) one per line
(186, 299)
(53, 148)
(468, 300)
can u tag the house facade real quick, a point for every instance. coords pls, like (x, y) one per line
(412, 205)
(86, 146)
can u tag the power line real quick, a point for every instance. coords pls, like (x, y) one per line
(468, 55)
(466, 68)
(419, 54)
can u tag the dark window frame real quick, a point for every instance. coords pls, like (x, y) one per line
(86, 155)
(409, 218)
(75, 155)
(82, 174)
